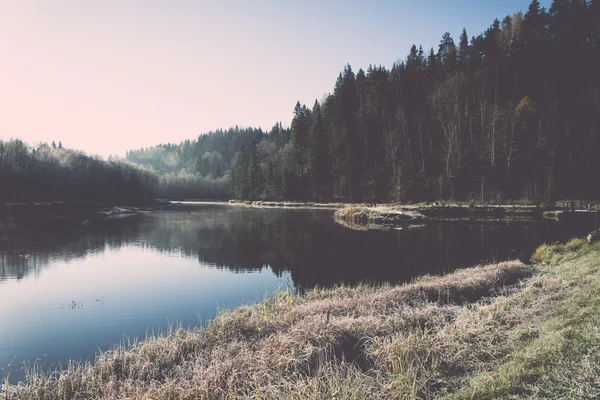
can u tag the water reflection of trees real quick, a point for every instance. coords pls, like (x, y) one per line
(22, 253)
(318, 251)
(308, 243)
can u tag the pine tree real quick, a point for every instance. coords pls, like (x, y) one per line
(348, 149)
(448, 53)
(319, 165)
(433, 67)
(463, 50)
(301, 125)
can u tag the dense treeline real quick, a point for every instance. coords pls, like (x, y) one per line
(51, 173)
(183, 185)
(202, 168)
(512, 113)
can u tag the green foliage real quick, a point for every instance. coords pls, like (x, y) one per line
(247, 174)
(202, 168)
(553, 253)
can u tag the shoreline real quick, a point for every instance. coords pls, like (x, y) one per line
(473, 333)
(69, 216)
(355, 216)
(287, 204)
(362, 216)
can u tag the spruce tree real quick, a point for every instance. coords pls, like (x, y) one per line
(319, 165)
(463, 49)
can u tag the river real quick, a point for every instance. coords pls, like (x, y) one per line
(67, 297)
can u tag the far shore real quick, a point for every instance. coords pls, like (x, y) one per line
(369, 216)
(365, 216)
(71, 216)
(357, 216)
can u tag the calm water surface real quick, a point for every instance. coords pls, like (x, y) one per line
(69, 297)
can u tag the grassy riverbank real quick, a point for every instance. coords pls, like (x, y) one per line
(505, 330)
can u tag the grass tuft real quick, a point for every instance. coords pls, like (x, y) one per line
(553, 253)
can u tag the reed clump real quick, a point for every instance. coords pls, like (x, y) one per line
(356, 215)
(554, 214)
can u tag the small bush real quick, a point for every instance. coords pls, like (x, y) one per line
(542, 255)
(574, 245)
(551, 253)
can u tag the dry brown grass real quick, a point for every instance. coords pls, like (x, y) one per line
(356, 215)
(363, 217)
(358, 218)
(411, 341)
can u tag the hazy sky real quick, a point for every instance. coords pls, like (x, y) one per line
(106, 76)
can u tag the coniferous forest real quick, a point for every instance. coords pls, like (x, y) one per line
(512, 113)
(53, 173)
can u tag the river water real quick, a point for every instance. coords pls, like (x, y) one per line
(67, 297)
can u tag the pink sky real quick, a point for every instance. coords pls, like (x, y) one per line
(106, 76)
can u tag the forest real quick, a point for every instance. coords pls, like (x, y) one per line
(512, 114)
(54, 173)
(509, 114)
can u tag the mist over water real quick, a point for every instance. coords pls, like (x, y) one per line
(69, 296)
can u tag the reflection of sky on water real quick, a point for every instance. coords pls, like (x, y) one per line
(72, 309)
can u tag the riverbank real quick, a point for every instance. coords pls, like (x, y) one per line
(69, 216)
(506, 330)
(363, 216)
(77, 216)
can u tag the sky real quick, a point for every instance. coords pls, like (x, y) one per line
(107, 76)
